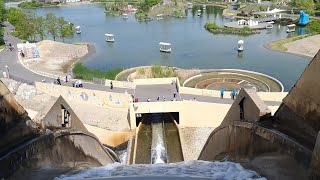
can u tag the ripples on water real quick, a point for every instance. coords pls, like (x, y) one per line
(214, 170)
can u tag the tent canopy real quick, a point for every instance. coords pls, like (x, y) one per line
(273, 11)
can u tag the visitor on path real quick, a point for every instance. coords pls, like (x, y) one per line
(194, 99)
(111, 85)
(233, 94)
(174, 94)
(158, 98)
(66, 79)
(136, 100)
(58, 81)
(148, 99)
(222, 93)
(164, 98)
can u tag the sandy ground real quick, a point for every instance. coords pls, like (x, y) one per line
(55, 57)
(307, 47)
(193, 140)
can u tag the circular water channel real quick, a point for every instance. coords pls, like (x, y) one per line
(137, 43)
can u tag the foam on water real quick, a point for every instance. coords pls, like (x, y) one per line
(214, 170)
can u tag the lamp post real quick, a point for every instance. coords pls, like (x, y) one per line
(7, 68)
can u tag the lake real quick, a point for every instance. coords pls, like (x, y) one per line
(137, 43)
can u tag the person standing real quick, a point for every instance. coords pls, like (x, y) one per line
(58, 81)
(174, 94)
(234, 93)
(148, 99)
(222, 93)
(66, 79)
(111, 85)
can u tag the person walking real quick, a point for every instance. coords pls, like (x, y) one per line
(158, 99)
(234, 93)
(148, 99)
(174, 94)
(111, 85)
(58, 81)
(222, 93)
(66, 79)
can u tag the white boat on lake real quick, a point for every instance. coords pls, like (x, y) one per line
(240, 45)
(78, 30)
(159, 17)
(109, 37)
(199, 12)
(125, 16)
(291, 28)
(165, 47)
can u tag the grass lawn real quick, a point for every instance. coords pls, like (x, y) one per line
(279, 45)
(82, 72)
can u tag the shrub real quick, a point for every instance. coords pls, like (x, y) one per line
(82, 72)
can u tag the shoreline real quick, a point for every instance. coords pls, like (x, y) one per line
(267, 46)
(91, 50)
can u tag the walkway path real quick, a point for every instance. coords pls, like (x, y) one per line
(308, 46)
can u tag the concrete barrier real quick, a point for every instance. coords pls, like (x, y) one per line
(108, 137)
(154, 81)
(191, 114)
(120, 84)
(93, 97)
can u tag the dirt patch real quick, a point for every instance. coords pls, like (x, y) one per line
(56, 58)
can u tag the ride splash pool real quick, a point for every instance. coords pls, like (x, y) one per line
(184, 170)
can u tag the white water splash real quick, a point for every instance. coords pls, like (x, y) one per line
(214, 170)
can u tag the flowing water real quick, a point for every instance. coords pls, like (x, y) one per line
(137, 43)
(212, 170)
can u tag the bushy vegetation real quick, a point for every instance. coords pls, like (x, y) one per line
(162, 71)
(31, 27)
(32, 4)
(82, 72)
(2, 17)
(214, 28)
(314, 26)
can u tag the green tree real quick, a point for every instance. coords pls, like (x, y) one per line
(307, 5)
(65, 30)
(15, 15)
(2, 11)
(41, 27)
(52, 25)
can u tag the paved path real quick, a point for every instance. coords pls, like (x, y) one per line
(307, 46)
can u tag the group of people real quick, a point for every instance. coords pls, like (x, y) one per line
(76, 84)
(10, 46)
(233, 93)
(135, 99)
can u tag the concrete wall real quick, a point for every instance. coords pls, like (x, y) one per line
(93, 97)
(315, 161)
(53, 119)
(120, 84)
(191, 113)
(110, 138)
(154, 81)
(299, 114)
(254, 108)
(67, 149)
(15, 125)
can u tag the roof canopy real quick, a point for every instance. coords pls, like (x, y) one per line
(273, 11)
(108, 34)
(240, 42)
(78, 27)
(166, 44)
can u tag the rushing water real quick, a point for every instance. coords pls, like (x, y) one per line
(136, 43)
(214, 170)
(158, 150)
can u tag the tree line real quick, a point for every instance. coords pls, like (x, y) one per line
(31, 27)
